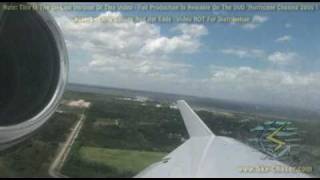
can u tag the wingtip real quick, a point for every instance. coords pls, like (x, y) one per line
(195, 126)
(181, 101)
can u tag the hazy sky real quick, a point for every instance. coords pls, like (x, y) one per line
(274, 59)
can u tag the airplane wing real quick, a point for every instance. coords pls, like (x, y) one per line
(207, 155)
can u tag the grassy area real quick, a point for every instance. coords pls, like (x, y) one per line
(103, 162)
(122, 160)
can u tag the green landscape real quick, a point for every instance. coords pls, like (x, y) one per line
(115, 123)
(124, 134)
(104, 162)
(33, 157)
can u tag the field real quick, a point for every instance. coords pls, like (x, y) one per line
(122, 161)
(96, 162)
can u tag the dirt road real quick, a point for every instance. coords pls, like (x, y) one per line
(54, 170)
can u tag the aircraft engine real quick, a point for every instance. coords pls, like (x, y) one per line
(33, 70)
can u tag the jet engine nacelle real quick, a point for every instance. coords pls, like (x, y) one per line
(33, 71)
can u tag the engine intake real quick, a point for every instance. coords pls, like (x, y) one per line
(33, 71)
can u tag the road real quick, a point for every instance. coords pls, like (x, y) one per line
(54, 170)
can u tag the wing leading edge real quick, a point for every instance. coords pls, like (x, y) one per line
(207, 155)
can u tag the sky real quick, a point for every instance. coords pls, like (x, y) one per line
(272, 59)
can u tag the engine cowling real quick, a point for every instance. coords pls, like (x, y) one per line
(33, 71)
